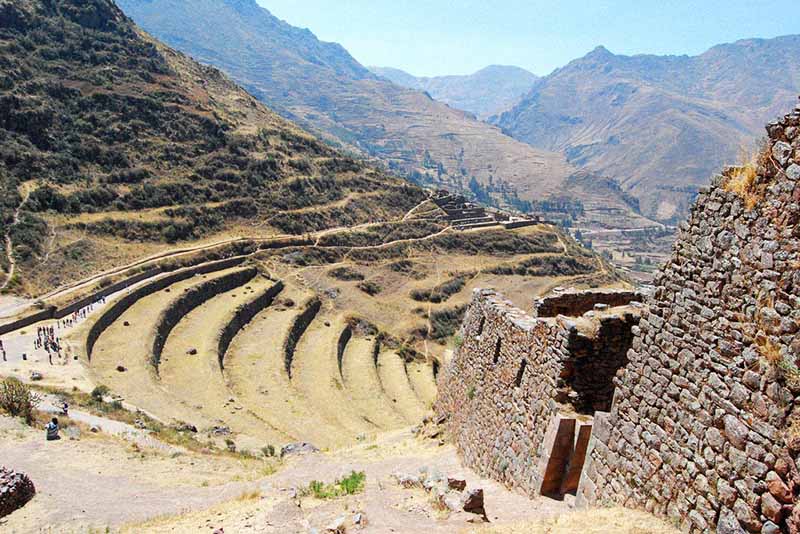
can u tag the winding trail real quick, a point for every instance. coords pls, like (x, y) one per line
(12, 265)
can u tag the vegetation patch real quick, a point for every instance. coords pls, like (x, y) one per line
(346, 274)
(369, 287)
(350, 485)
(443, 291)
(548, 266)
(17, 399)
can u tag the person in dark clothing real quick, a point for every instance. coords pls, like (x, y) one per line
(52, 430)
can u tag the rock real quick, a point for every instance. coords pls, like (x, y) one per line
(728, 524)
(407, 481)
(337, 526)
(778, 488)
(121, 368)
(126, 323)
(16, 490)
(359, 519)
(770, 528)
(473, 502)
(94, 429)
(191, 352)
(36, 376)
(771, 508)
(782, 151)
(736, 432)
(221, 431)
(456, 484)
(294, 449)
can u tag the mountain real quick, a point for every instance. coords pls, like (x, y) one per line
(660, 125)
(113, 145)
(490, 91)
(324, 89)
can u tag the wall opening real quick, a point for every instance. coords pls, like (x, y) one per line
(481, 325)
(497, 352)
(587, 378)
(520, 373)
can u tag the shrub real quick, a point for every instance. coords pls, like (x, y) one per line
(349, 485)
(442, 292)
(17, 399)
(99, 392)
(345, 274)
(268, 451)
(370, 288)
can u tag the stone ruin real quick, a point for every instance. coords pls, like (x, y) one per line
(16, 490)
(522, 390)
(702, 429)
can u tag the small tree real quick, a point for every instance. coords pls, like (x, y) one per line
(17, 399)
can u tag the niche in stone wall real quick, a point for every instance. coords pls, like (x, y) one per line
(497, 348)
(595, 354)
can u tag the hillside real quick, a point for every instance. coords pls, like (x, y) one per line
(113, 146)
(660, 125)
(490, 91)
(324, 89)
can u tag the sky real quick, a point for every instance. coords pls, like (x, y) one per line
(437, 37)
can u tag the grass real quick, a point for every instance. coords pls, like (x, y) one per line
(349, 485)
(742, 179)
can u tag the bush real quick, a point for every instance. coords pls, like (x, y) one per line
(99, 392)
(345, 274)
(370, 288)
(350, 485)
(17, 399)
(442, 292)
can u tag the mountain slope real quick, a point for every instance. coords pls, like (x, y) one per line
(660, 125)
(320, 86)
(112, 145)
(490, 91)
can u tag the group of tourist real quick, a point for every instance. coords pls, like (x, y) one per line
(47, 336)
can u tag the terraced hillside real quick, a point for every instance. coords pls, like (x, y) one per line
(113, 146)
(331, 342)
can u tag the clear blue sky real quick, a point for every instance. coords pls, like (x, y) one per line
(433, 37)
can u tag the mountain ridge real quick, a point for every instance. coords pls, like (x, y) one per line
(486, 92)
(657, 123)
(344, 103)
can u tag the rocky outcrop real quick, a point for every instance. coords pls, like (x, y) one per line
(703, 429)
(16, 490)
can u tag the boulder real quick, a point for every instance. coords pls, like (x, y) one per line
(456, 484)
(294, 449)
(16, 490)
(473, 502)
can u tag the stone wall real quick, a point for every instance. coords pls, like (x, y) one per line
(16, 490)
(574, 303)
(192, 298)
(242, 316)
(115, 310)
(509, 393)
(299, 327)
(703, 428)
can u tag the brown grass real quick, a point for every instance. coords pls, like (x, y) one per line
(742, 179)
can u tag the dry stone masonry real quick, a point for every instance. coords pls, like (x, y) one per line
(16, 490)
(521, 390)
(702, 428)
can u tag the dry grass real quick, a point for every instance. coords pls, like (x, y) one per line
(742, 179)
(595, 521)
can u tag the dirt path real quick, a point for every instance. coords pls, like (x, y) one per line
(12, 264)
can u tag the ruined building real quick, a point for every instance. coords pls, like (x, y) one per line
(689, 414)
